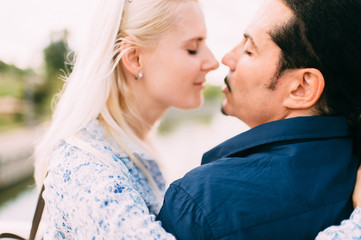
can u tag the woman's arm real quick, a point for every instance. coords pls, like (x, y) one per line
(356, 196)
(351, 228)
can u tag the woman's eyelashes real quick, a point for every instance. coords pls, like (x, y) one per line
(192, 52)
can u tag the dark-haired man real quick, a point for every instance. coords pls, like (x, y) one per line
(295, 80)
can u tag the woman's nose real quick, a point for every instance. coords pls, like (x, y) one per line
(211, 62)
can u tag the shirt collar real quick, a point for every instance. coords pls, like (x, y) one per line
(281, 130)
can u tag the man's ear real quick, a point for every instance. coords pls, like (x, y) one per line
(305, 88)
(131, 59)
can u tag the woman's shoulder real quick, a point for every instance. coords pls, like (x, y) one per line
(96, 135)
(86, 164)
(89, 149)
(92, 158)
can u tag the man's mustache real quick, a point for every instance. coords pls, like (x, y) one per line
(227, 84)
(229, 89)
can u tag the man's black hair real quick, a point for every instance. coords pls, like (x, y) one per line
(326, 35)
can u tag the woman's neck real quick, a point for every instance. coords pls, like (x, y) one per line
(148, 115)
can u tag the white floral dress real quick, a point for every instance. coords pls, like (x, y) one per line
(110, 198)
(349, 229)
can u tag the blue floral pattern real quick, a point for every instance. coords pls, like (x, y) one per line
(348, 230)
(110, 198)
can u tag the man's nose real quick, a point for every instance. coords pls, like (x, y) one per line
(229, 61)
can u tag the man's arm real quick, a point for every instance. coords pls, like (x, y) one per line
(181, 216)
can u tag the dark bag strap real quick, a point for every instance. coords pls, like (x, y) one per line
(36, 220)
(10, 235)
(37, 215)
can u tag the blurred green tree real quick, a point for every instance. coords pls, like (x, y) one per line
(55, 56)
(13, 94)
(56, 66)
(26, 96)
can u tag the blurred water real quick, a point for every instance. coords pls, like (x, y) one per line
(20, 208)
(17, 212)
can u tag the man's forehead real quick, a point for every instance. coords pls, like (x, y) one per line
(271, 15)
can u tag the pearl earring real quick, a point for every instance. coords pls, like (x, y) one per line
(140, 76)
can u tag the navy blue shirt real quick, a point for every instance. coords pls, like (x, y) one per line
(286, 179)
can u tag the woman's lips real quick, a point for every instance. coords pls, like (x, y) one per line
(199, 84)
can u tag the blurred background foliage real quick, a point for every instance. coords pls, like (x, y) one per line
(25, 95)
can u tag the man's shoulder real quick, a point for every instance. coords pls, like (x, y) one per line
(221, 180)
(227, 191)
(208, 173)
(202, 200)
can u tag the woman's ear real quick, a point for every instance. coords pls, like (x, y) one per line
(305, 88)
(130, 59)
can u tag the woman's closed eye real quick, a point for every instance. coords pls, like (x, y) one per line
(192, 52)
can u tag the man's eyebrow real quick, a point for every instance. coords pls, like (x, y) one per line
(247, 36)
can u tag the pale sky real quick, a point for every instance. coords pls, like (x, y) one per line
(26, 26)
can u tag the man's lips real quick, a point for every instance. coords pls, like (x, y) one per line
(227, 84)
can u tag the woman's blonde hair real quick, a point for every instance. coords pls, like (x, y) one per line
(96, 88)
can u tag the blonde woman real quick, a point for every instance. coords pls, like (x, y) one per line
(141, 57)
